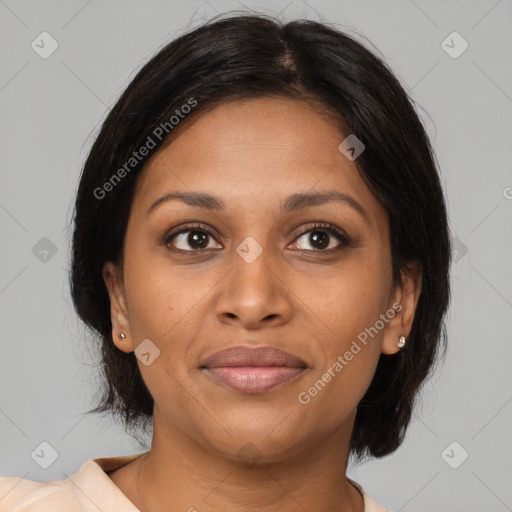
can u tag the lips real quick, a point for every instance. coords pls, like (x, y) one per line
(253, 369)
(253, 356)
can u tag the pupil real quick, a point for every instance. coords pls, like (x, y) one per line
(198, 236)
(319, 237)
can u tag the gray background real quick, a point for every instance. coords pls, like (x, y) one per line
(50, 110)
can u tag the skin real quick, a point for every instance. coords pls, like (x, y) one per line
(191, 305)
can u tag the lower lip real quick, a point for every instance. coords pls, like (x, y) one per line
(254, 379)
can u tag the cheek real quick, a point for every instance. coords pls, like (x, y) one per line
(351, 306)
(352, 297)
(158, 294)
(161, 308)
(349, 360)
(166, 304)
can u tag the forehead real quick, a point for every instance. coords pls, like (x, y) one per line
(247, 151)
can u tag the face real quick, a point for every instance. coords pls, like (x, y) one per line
(259, 265)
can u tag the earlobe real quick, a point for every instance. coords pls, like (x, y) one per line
(406, 295)
(118, 311)
(122, 342)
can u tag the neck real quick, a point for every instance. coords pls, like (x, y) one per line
(181, 473)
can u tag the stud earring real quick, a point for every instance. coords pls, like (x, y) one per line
(122, 336)
(402, 341)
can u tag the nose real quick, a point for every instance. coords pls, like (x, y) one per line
(254, 294)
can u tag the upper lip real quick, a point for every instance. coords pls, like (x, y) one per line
(253, 356)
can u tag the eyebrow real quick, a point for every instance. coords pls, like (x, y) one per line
(292, 203)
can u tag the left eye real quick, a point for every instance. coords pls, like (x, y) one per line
(321, 239)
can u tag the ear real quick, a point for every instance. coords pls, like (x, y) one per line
(112, 276)
(404, 300)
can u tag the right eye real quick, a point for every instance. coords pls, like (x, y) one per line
(193, 238)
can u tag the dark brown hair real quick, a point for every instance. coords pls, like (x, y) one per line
(251, 56)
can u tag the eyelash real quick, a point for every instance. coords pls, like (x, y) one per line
(340, 235)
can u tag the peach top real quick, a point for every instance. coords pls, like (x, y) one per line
(88, 490)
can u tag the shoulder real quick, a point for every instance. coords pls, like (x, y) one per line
(89, 489)
(24, 495)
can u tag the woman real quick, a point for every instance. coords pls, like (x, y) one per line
(261, 244)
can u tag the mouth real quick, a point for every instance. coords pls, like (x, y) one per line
(253, 369)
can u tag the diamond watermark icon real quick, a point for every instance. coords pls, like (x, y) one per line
(249, 249)
(351, 147)
(44, 250)
(44, 45)
(147, 352)
(454, 45)
(459, 250)
(249, 454)
(44, 455)
(454, 455)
